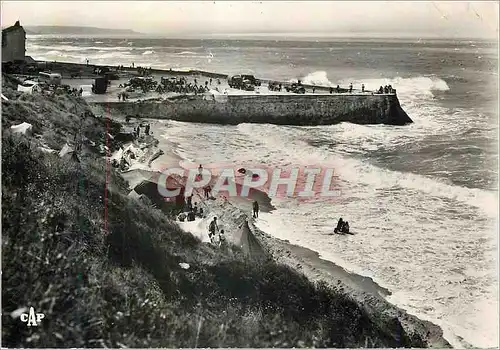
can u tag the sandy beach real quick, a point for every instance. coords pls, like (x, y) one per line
(233, 213)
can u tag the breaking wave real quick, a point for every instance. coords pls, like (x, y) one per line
(319, 78)
(422, 84)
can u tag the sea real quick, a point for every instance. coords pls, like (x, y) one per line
(422, 199)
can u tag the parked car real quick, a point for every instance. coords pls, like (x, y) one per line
(50, 78)
(29, 87)
(111, 76)
(86, 90)
(238, 82)
(274, 86)
(254, 81)
(296, 88)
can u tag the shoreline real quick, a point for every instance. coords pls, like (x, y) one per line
(361, 288)
(367, 293)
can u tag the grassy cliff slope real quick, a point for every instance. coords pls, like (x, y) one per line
(119, 283)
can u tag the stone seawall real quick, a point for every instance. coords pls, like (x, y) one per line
(272, 109)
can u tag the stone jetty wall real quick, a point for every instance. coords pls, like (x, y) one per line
(272, 109)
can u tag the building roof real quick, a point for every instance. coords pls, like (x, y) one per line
(16, 26)
(29, 60)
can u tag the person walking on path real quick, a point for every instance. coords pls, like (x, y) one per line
(212, 228)
(255, 209)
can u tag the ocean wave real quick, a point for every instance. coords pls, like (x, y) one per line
(149, 52)
(55, 53)
(422, 84)
(319, 78)
(186, 53)
(364, 173)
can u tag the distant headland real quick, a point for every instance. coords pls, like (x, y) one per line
(75, 30)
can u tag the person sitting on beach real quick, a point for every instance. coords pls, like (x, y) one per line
(195, 208)
(182, 217)
(255, 209)
(190, 216)
(200, 212)
(345, 227)
(212, 228)
(338, 88)
(380, 90)
(339, 226)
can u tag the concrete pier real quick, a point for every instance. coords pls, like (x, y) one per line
(290, 109)
(261, 106)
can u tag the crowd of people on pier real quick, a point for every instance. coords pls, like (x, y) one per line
(387, 89)
(181, 85)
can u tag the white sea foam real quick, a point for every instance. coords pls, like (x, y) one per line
(319, 78)
(420, 222)
(420, 85)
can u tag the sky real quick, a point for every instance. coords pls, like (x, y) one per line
(390, 18)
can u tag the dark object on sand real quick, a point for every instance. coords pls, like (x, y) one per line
(244, 171)
(125, 137)
(100, 86)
